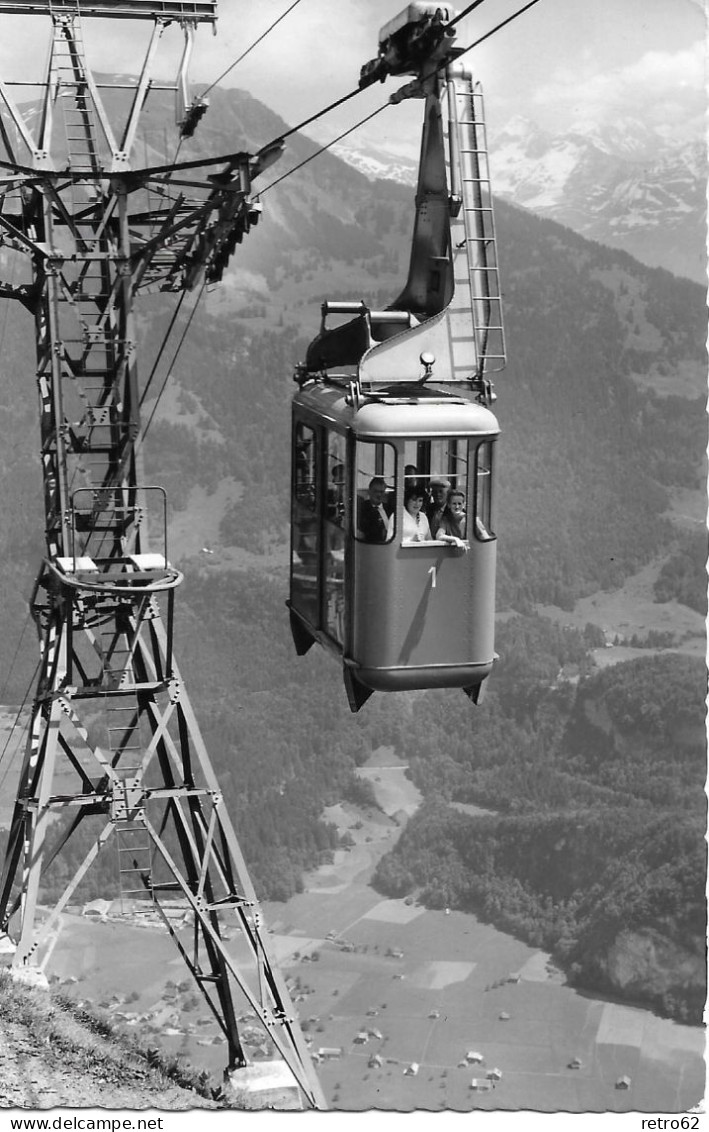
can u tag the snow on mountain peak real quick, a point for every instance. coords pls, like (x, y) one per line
(627, 137)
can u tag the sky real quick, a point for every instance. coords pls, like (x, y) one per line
(563, 63)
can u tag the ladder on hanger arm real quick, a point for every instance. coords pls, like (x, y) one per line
(450, 310)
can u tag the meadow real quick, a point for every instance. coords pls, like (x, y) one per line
(433, 984)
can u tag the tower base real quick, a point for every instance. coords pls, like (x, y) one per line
(264, 1085)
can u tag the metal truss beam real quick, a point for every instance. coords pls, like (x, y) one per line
(195, 11)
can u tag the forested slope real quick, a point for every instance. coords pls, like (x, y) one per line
(596, 851)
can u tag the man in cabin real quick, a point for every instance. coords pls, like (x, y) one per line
(372, 518)
(336, 495)
(439, 497)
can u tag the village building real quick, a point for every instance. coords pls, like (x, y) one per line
(623, 1082)
(96, 909)
(474, 1057)
(411, 1070)
(481, 1085)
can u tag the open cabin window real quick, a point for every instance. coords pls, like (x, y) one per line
(483, 491)
(436, 467)
(375, 491)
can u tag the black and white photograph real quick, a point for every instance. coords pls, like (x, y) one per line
(353, 563)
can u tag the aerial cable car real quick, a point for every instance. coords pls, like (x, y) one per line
(393, 544)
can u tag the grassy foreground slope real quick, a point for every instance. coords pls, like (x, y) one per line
(54, 1054)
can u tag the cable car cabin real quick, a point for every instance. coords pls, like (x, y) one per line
(370, 581)
(402, 593)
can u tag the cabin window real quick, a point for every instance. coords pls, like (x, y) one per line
(334, 561)
(305, 455)
(335, 474)
(436, 467)
(305, 550)
(375, 492)
(483, 491)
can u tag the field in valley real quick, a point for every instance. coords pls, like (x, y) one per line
(387, 982)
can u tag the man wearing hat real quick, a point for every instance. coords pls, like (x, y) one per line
(372, 518)
(440, 487)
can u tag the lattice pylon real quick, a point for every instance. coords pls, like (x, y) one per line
(172, 795)
(114, 749)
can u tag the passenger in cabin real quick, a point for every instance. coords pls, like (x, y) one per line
(439, 497)
(336, 495)
(372, 518)
(452, 526)
(307, 545)
(411, 479)
(303, 478)
(415, 526)
(336, 513)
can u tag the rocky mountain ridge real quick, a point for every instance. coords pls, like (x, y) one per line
(622, 185)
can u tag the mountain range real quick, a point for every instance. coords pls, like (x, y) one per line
(621, 185)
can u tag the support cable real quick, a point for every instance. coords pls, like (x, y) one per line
(386, 105)
(174, 358)
(324, 148)
(16, 721)
(235, 63)
(248, 49)
(12, 662)
(498, 27)
(464, 13)
(204, 162)
(163, 344)
(307, 160)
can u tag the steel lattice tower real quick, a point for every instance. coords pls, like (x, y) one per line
(114, 746)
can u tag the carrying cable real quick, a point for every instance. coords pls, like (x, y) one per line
(174, 357)
(497, 27)
(248, 49)
(385, 105)
(163, 344)
(12, 662)
(307, 160)
(323, 148)
(234, 64)
(464, 13)
(17, 719)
